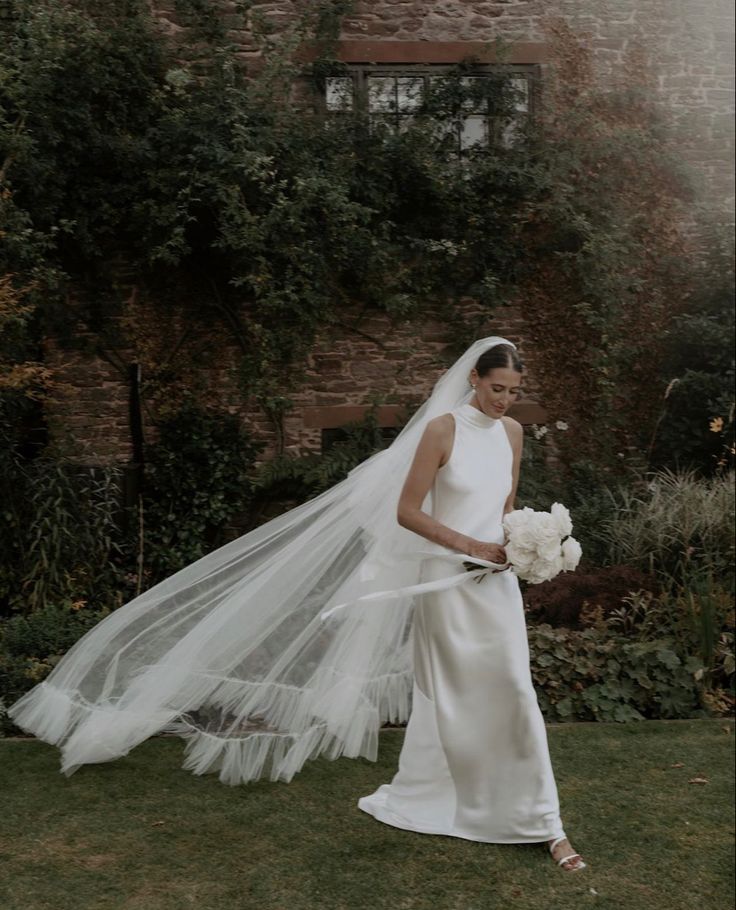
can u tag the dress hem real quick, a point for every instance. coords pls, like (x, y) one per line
(389, 818)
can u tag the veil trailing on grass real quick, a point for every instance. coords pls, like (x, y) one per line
(243, 652)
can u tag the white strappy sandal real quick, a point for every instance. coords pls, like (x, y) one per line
(560, 862)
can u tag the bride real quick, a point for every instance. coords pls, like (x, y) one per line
(302, 637)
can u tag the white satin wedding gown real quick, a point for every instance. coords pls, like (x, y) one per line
(475, 761)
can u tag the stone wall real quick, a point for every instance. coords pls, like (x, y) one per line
(688, 44)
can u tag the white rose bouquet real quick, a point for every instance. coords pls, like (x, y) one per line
(539, 544)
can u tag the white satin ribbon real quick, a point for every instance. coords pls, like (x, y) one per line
(440, 584)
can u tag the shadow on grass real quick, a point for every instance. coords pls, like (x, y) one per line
(142, 833)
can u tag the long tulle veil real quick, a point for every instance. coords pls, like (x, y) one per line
(234, 653)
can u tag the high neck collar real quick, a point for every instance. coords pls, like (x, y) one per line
(478, 417)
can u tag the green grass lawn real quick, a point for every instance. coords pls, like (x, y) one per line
(142, 833)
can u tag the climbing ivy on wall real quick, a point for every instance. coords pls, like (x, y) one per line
(231, 198)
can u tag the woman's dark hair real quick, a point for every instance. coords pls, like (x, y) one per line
(500, 356)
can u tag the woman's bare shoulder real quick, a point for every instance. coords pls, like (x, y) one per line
(513, 428)
(513, 425)
(443, 422)
(441, 428)
(439, 434)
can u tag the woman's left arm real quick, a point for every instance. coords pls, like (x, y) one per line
(516, 438)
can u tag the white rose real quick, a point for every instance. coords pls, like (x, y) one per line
(549, 549)
(535, 575)
(523, 538)
(518, 525)
(521, 558)
(544, 570)
(518, 518)
(571, 553)
(562, 519)
(545, 532)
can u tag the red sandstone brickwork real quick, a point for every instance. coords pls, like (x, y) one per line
(87, 414)
(687, 43)
(401, 365)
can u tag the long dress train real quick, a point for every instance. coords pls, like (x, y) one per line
(475, 761)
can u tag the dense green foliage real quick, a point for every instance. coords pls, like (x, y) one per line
(273, 216)
(588, 675)
(60, 534)
(675, 523)
(32, 644)
(695, 429)
(197, 479)
(299, 478)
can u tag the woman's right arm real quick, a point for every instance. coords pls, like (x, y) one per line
(433, 451)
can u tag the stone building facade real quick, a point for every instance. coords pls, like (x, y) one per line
(688, 43)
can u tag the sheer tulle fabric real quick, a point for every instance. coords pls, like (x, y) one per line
(232, 652)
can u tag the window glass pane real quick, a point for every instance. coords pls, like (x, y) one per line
(476, 103)
(511, 132)
(339, 93)
(401, 96)
(439, 88)
(381, 93)
(520, 93)
(473, 131)
(443, 130)
(410, 90)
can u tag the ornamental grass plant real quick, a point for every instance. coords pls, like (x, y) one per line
(674, 524)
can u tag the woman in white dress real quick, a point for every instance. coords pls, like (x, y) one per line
(475, 762)
(299, 638)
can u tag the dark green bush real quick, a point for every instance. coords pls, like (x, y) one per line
(696, 427)
(32, 644)
(598, 675)
(301, 477)
(594, 674)
(197, 478)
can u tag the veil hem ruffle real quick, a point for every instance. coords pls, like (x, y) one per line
(240, 756)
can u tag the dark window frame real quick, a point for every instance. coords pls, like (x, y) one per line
(360, 73)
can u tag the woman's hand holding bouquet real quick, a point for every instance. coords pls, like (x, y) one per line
(539, 545)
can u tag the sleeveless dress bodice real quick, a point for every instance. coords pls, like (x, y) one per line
(471, 488)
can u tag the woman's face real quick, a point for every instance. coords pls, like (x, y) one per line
(496, 391)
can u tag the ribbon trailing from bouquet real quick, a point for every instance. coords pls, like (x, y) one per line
(439, 584)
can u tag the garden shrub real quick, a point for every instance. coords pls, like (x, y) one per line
(564, 600)
(198, 476)
(593, 674)
(288, 480)
(32, 644)
(695, 429)
(673, 522)
(61, 533)
(596, 675)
